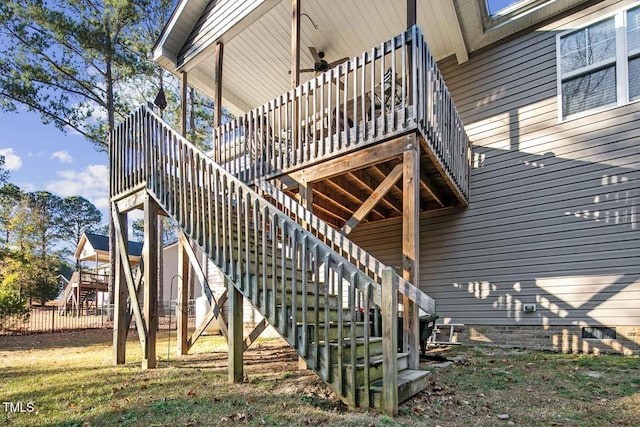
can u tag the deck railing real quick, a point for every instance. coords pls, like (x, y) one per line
(392, 89)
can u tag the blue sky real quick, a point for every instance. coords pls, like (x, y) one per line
(496, 5)
(41, 157)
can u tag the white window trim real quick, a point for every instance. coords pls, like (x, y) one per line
(621, 62)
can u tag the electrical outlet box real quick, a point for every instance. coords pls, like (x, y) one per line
(529, 308)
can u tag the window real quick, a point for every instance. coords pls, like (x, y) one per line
(495, 6)
(598, 333)
(633, 52)
(599, 65)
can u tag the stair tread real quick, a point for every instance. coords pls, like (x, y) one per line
(404, 377)
(373, 360)
(359, 340)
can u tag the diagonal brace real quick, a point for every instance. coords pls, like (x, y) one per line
(377, 195)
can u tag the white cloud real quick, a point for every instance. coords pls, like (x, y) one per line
(63, 156)
(12, 161)
(91, 183)
(27, 186)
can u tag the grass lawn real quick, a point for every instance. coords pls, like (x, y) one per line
(70, 381)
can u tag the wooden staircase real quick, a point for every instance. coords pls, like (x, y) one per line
(329, 299)
(69, 298)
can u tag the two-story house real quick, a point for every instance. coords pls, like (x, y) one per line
(392, 159)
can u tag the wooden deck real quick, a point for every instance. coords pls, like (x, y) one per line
(82, 283)
(339, 135)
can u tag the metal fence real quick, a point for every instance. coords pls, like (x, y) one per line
(48, 319)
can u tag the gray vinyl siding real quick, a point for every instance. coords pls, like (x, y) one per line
(217, 18)
(553, 217)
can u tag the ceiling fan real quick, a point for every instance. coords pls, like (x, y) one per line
(320, 65)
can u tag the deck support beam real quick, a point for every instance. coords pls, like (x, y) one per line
(295, 43)
(411, 13)
(120, 324)
(150, 259)
(184, 270)
(184, 88)
(410, 246)
(306, 199)
(355, 160)
(236, 341)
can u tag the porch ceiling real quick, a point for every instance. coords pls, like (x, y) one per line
(257, 58)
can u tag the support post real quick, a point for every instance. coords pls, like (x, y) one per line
(150, 256)
(306, 200)
(411, 13)
(389, 312)
(184, 87)
(217, 115)
(295, 43)
(183, 296)
(236, 341)
(120, 324)
(295, 66)
(410, 247)
(306, 195)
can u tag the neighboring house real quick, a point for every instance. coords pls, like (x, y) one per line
(214, 277)
(489, 156)
(90, 284)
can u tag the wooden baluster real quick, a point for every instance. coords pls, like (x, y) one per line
(324, 117)
(363, 101)
(392, 82)
(339, 276)
(268, 312)
(325, 292)
(274, 231)
(247, 246)
(374, 124)
(367, 319)
(284, 323)
(344, 70)
(353, 380)
(403, 49)
(239, 207)
(315, 262)
(304, 259)
(356, 122)
(331, 113)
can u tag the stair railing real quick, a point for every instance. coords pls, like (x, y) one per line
(265, 253)
(75, 278)
(353, 253)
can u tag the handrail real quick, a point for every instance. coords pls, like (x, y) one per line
(379, 94)
(341, 244)
(439, 120)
